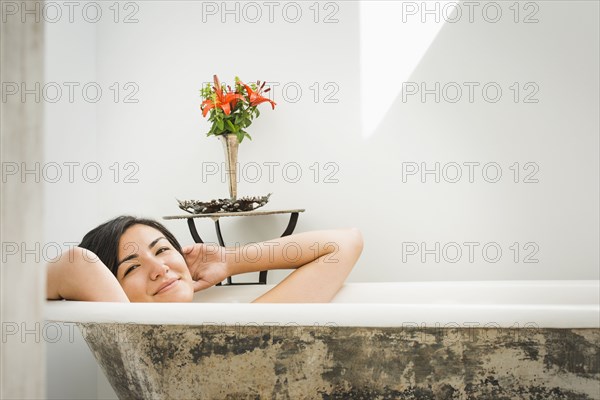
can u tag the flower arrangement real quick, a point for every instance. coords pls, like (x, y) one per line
(232, 111)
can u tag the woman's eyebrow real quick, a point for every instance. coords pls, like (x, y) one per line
(151, 245)
(132, 256)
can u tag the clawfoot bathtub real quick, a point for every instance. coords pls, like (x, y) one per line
(409, 340)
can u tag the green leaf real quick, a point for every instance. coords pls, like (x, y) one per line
(220, 124)
(231, 126)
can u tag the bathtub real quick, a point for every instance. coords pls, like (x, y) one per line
(408, 340)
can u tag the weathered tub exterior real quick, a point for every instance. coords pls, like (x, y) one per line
(419, 340)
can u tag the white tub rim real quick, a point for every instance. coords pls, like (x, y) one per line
(381, 314)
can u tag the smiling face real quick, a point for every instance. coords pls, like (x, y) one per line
(150, 269)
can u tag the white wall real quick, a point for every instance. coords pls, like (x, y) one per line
(71, 202)
(171, 51)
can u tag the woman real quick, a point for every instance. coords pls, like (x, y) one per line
(129, 259)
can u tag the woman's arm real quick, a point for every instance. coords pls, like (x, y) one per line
(322, 261)
(327, 258)
(80, 275)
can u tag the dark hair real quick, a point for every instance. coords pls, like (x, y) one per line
(103, 240)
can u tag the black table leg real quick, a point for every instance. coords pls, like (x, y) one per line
(291, 225)
(193, 231)
(219, 235)
(262, 276)
(221, 243)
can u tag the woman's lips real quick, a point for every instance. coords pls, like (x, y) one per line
(168, 285)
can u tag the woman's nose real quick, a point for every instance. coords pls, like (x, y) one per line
(158, 269)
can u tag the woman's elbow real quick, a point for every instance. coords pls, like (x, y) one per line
(355, 242)
(356, 238)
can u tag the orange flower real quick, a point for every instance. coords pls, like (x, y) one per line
(256, 98)
(225, 102)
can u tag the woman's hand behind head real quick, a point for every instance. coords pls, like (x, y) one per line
(207, 264)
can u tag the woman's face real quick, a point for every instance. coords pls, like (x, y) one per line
(150, 269)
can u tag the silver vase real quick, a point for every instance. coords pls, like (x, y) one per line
(230, 145)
